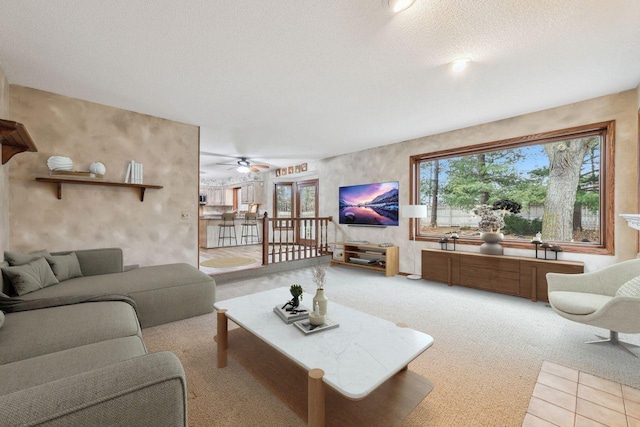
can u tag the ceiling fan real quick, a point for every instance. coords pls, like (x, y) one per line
(245, 166)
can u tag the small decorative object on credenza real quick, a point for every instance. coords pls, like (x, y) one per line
(492, 221)
(537, 241)
(320, 299)
(454, 236)
(444, 243)
(554, 249)
(296, 292)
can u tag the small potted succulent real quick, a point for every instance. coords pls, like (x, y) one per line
(296, 292)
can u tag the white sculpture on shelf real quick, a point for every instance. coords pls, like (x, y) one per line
(98, 168)
(59, 163)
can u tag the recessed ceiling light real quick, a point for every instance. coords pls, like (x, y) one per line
(459, 64)
(396, 6)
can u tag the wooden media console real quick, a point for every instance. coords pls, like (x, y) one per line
(520, 276)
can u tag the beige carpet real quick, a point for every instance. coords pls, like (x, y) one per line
(485, 361)
(228, 262)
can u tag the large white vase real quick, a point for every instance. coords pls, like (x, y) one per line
(322, 301)
(491, 245)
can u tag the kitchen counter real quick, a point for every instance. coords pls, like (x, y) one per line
(209, 229)
(219, 216)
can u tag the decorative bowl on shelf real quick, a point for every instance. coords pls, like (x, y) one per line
(97, 168)
(60, 163)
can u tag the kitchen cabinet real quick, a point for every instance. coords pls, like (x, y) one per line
(251, 193)
(218, 196)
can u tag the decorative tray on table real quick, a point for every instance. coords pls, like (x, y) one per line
(308, 328)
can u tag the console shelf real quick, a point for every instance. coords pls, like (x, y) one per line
(14, 139)
(60, 181)
(385, 259)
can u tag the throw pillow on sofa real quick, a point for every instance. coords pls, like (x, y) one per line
(630, 289)
(17, 258)
(5, 288)
(64, 267)
(30, 277)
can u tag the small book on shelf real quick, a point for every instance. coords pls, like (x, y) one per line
(300, 313)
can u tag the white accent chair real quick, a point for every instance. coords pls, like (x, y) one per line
(591, 298)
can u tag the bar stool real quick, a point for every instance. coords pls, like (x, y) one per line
(227, 230)
(249, 229)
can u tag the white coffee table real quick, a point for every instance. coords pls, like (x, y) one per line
(354, 359)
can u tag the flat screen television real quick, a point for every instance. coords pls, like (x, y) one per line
(369, 204)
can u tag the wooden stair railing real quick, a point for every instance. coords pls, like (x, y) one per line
(288, 239)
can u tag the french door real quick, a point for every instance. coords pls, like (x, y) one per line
(307, 207)
(300, 200)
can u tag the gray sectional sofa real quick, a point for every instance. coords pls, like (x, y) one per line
(71, 353)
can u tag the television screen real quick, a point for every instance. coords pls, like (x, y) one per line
(369, 204)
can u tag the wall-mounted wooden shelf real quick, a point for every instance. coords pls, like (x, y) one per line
(60, 181)
(14, 139)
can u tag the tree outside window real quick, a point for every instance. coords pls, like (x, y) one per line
(559, 178)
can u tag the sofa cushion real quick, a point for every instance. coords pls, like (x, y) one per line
(163, 293)
(580, 303)
(1, 319)
(630, 288)
(18, 258)
(98, 261)
(34, 371)
(64, 267)
(27, 334)
(30, 277)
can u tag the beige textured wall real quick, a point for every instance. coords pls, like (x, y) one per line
(152, 232)
(391, 163)
(4, 171)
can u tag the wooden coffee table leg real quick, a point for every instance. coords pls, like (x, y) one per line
(315, 405)
(222, 338)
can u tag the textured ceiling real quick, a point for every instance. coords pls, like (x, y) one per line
(294, 80)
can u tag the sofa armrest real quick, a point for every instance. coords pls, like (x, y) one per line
(146, 390)
(98, 261)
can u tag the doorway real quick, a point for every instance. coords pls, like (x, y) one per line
(300, 200)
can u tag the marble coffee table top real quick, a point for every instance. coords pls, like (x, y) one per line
(357, 357)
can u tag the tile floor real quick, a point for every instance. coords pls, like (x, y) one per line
(566, 397)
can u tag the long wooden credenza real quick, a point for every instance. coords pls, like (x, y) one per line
(520, 276)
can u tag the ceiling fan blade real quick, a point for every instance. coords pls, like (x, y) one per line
(260, 166)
